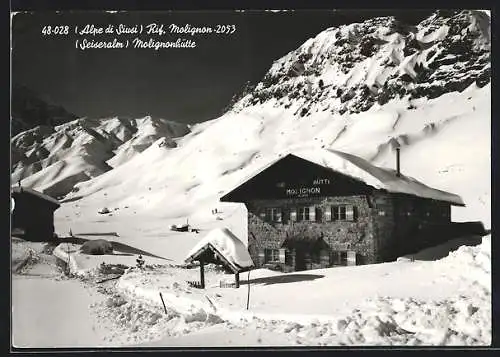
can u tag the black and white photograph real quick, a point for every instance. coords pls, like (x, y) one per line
(250, 178)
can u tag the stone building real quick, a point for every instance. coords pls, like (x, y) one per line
(316, 208)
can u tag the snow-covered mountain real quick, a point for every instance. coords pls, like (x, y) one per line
(350, 68)
(54, 159)
(361, 88)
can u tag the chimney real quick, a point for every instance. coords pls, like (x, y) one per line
(398, 170)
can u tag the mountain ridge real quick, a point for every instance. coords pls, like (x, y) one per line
(354, 66)
(83, 148)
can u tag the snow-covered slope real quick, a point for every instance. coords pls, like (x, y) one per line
(54, 159)
(145, 132)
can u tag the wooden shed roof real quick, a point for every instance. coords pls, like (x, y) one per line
(226, 246)
(34, 193)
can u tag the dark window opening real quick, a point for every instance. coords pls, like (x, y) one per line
(318, 214)
(273, 214)
(303, 214)
(343, 213)
(272, 255)
(339, 213)
(338, 257)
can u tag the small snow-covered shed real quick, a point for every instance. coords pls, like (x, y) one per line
(221, 246)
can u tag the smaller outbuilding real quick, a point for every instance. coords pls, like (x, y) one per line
(220, 246)
(32, 214)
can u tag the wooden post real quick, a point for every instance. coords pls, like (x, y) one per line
(237, 280)
(164, 307)
(68, 266)
(398, 165)
(202, 273)
(248, 283)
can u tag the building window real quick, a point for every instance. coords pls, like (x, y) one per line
(343, 213)
(339, 213)
(273, 214)
(338, 258)
(272, 255)
(303, 214)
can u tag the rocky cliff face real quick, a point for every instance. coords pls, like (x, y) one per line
(353, 67)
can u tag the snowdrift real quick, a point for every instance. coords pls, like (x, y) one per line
(403, 306)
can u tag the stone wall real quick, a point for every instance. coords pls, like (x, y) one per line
(399, 220)
(354, 235)
(385, 226)
(414, 217)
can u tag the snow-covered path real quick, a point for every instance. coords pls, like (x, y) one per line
(49, 310)
(221, 336)
(51, 313)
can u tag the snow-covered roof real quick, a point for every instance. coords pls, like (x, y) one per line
(227, 245)
(38, 194)
(362, 170)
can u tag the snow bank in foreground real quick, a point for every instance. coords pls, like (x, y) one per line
(460, 317)
(474, 262)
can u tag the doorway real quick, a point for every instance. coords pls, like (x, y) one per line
(300, 260)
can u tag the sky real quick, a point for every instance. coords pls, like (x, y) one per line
(182, 84)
